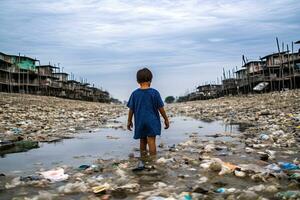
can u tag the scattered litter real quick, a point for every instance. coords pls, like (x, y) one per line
(112, 137)
(55, 175)
(101, 188)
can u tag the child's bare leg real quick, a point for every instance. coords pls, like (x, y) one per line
(152, 146)
(143, 147)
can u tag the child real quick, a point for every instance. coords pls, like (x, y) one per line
(145, 104)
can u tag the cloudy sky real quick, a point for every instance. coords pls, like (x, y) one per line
(185, 43)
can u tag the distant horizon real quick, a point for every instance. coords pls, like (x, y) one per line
(184, 43)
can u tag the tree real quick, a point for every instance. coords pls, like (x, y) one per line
(170, 99)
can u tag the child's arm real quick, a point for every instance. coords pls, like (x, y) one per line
(164, 115)
(129, 121)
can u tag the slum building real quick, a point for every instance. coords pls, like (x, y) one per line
(251, 74)
(209, 91)
(281, 70)
(48, 83)
(229, 86)
(62, 82)
(273, 72)
(22, 74)
(18, 74)
(292, 69)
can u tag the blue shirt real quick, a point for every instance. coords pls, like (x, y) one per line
(145, 104)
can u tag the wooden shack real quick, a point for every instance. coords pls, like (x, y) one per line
(18, 74)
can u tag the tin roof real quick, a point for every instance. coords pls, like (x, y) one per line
(47, 66)
(19, 56)
(274, 54)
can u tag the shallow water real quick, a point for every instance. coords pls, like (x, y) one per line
(87, 147)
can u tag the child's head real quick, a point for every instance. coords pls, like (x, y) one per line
(144, 76)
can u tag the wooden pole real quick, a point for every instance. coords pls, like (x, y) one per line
(27, 88)
(289, 65)
(280, 68)
(19, 85)
(293, 68)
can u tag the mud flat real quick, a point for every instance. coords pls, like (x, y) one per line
(261, 161)
(42, 118)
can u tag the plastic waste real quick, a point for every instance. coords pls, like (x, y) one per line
(16, 130)
(89, 168)
(73, 188)
(291, 194)
(239, 173)
(159, 185)
(264, 136)
(44, 195)
(220, 190)
(271, 189)
(273, 167)
(162, 160)
(288, 166)
(248, 195)
(98, 177)
(140, 167)
(249, 150)
(131, 187)
(257, 188)
(14, 183)
(83, 167)
(172, 148)
(55, 175)
(187, 197)
(295, 176)
(209, 148)
(101, 188)
(30, 178)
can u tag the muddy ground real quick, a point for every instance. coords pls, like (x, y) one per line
(260, 162)
(42, 118)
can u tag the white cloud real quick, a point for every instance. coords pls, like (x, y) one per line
(96, 37)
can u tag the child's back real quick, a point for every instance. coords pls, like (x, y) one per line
(145, 104)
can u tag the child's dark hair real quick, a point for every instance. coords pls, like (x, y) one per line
(144, 75)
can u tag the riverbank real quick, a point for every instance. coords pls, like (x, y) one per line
(43, 118)
(260, 163)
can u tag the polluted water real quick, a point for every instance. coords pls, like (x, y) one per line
(199, 157)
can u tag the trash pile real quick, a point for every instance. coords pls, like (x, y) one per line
(260, 163)
(190, 170)
(49, 119)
